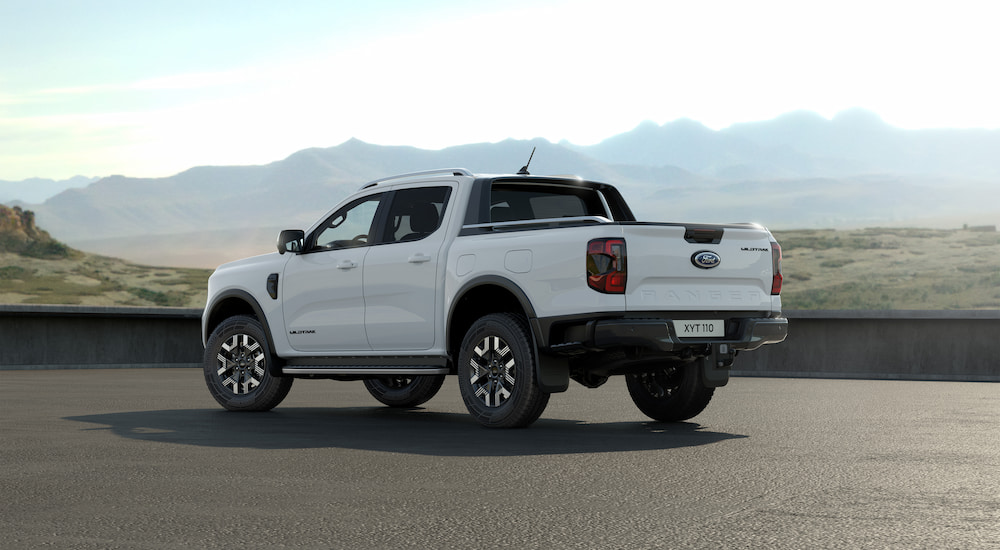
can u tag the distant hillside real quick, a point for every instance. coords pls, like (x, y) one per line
(875, 268)
(189, 211)
(36, 269)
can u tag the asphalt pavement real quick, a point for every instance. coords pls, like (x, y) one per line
(144, 458)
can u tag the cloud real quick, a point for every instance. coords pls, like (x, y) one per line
(580, 71)
(201, 80)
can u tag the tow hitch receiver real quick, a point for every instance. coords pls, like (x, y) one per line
(715, 366)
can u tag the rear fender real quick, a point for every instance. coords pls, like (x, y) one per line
(551, 372)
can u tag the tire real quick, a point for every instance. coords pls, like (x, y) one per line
(673, 394)
(496, 373)
(404, 391)
(236, 365)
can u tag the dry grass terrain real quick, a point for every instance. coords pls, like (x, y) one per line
(881, 268)
(86, 279)
(37, 269)
(891, 268)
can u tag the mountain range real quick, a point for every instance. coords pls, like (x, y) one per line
(804, 144)
(798, 170)
(36, 190)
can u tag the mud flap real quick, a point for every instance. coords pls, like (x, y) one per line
(553, 373)
(715, 367)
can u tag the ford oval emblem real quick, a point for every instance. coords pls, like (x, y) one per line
(705, 259)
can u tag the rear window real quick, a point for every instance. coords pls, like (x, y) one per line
(515, 202)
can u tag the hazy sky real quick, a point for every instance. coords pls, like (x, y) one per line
(153, 87)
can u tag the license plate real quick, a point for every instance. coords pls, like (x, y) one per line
(699, 328)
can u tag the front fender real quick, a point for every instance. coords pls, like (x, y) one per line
(236, 302)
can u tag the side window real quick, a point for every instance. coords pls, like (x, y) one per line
(348, 227)
(416, 213)
(516, 202)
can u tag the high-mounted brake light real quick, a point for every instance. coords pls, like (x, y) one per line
(776, 269)
(606, 268)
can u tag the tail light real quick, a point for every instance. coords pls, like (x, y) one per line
(775, 269)
(606, 269)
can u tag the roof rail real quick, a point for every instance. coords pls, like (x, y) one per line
(439, 171)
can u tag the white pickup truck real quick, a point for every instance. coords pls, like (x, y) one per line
(515, 283)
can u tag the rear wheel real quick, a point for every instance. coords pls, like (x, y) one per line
(404, 391)
(496, 373)
(236, 366)
(670, 395)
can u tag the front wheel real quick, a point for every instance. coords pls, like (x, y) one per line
(236, 365)
(496, 373)
(673, 394)
(404, 391)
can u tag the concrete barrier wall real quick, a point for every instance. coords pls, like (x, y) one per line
(904, 344)
(917, 345)
(70, 337)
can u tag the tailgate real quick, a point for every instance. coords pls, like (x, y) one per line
(681, 267)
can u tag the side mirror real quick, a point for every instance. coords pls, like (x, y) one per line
(291, 240)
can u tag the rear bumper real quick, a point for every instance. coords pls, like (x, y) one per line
(659, 335)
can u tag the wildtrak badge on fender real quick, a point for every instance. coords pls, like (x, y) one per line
(515, 284)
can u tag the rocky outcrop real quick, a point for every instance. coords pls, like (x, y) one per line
(20, 235)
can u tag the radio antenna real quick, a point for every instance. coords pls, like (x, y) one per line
(524, 169)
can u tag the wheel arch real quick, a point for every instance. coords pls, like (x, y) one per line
(237, 302)
(482, 296)
(495, 294)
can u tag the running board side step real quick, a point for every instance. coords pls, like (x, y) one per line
(363, 370)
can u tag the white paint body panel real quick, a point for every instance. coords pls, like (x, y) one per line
(662, 276)
(396, 298)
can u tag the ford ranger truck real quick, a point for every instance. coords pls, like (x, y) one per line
(516, 284)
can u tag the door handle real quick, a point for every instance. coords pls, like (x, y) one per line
(418, 258)
(347, 264)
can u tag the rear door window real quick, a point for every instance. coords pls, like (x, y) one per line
(415, 213)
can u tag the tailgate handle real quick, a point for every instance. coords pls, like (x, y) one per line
(703, 235)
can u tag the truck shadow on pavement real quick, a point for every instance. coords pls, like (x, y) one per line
(414, 431)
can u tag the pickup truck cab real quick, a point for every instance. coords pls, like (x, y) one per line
(516, 283)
